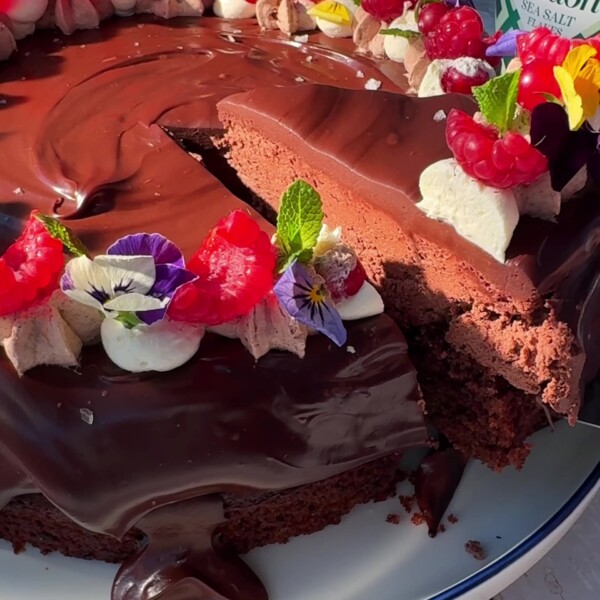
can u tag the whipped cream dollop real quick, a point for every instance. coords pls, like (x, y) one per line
(330, 27)
(431, 84)
(395, 46)
(234, 9)
(366, 303)
(485, 216)
(162, 346)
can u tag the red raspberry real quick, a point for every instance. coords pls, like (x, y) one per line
(500, 162)
(542, 44)
(235, 266)
(430, 15)
(537, 78)
(384, 10)
(30, 268)
(453, 81)
(342, 271)
(459, 33)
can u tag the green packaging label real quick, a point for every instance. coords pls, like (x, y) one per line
(568, 18)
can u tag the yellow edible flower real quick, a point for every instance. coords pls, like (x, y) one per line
(579, 81)
(332, 11)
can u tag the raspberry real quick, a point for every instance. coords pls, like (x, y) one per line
(342, 271)
(459, 32)
(453, 81)
(542, 44)
(235, 265)
(499, 162)
(30, 268)
(430, 15)
(537, 78)
(384, 10)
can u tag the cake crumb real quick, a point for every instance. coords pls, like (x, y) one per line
(475, 549)
(87, 416)
(301, 38)
(372, 84)
(231, 39)
(351, 349)
(360, 75)
(417, 519)
(407, 503)
(441, 528)
(452, 519)
(439, 116)
(393, 519)
(299, 79)
(309, 58)
(19, 191)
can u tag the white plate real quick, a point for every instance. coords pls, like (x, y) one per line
(517, 516)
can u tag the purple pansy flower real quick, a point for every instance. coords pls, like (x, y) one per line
(139, 274)
(307, 301)
(567, 151)
(505, 45)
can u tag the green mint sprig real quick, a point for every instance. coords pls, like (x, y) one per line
(409, 34)
(298, 224)
(497, 99)
(72, 244)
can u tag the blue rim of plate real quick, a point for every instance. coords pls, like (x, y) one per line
(526, 545)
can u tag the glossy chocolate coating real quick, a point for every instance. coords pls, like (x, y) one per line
(82, 134)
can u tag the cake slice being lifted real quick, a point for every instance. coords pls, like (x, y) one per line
(493, 340)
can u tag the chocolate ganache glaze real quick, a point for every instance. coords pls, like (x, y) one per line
(82, 135)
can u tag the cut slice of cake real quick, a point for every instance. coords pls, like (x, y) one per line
(493, 341)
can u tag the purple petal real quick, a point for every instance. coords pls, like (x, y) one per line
(169, 279)
(506, 45)
(163, 250)
(66, 283)
(567, 151)
(292, 291)
(457, 3)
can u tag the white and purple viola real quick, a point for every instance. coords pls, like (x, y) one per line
(132, 285)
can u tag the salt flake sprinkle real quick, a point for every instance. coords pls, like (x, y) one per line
(372, 84)
(351, 349)
(301, 38)
(360, 75)
(87, 416)
(299, 79)
(439, 116)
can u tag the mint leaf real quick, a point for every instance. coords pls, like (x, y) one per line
(298, 223)
(357, 2)
(497, 99)
(73, 245)
(405, 33)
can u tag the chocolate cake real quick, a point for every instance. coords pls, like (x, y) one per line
(139, 126)
(226, 452)
(491, 340)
